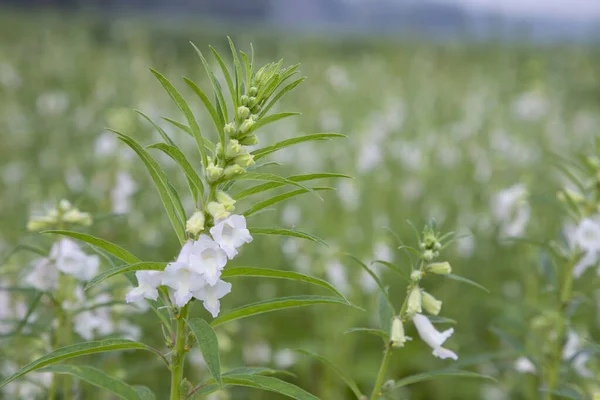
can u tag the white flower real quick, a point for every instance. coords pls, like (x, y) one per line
(587, 235)
(230, 234)
(148, 281)
(511, 210)
(44, 275)
(94, 322)
(121, 194)
(208, 259)
(433, 338)
(71, 260)
(210, 295)
(524, 366)
(182, 277)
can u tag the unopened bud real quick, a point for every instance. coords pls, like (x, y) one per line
(416, 275)
(74, 216)
(217, 210)
(244, 100)
(428, 255)
(431, 304)
(414, 301)
(397, 336)
(213, 172)
(244, 160)
(233, 170)
(256, 109)
(249, 140)
(571, 196)
(39, 223)
(243, 112)
(234, 148)
(252, 101)
(64, 205)
(253, 91)
(229, 129)
(440, 268)
(246, 125)
(226, 200)
(195, 224)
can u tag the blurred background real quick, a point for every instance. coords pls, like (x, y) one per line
(452, 110)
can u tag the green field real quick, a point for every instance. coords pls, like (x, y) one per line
(434, 132)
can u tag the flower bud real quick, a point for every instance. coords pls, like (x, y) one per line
(195, 224)
(252, 101)
(428, 255)
(245, 100)
(414, 301)
(244, 160)
(213, 172)
(217, 210)
(226, 200)
(37, 224)
(440, 268)
(233, 170)
(64, 205)
(570, 195)
(246, 125)
(229, 129)
(243, 112)
(253, 91)
(249, 140)
(234, 148)
(397, 333)
(256, 109)
(74, 216)
(431, 304)
(416, 275)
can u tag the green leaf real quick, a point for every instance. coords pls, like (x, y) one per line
(565, 393)
(280, 94)
(207, 143)
(375, 277)
(105, 245)
(297, 178)
(160, 181)
(221, 105)
(162, 133)
(227, 75)
(185, 108)
(256, 371)
(270, 384)
(260, 153)
(209, 346)
(279, 198)
(194, 181)
(386, 313)
(144, 393)
(287, 232)
(467, 281)
(238, 68)
(97, 378)
(384, 335)
(269, 119)
(140, 266)
(436, 319)
(393, 268)
(427, 376)
(262, 176)
(247, 67)
(76, 350)
(275, 305)
(347, 379)
(278, 274)
(219, 124)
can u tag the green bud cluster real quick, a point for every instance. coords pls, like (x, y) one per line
(63, 213)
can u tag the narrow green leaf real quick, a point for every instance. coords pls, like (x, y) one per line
(97, 378)
(375, 277)
(185, 108)
(238, 68)
(262, 176)
(385, 336)
(207, 143)
(219, 124)
(436, 319)
(343, 376)
(467, 281)
(76, 350)
(275, 305)
(105, 245)
(279, 198)
(427, 376)
(269, 119)
(30, 310)
(385, 312)
(565, 393)
(260, 153)
(140, 266)
(194, 181)
(227, 75)
(278, 274)
(209, 346)
(289, 87)
(247, 67)
(287, 232)
(161, 131)
(160, 181)
(144, 392)
(270, 384)
(393, 268)
(257, 371)
(221, 105)
(296, 178)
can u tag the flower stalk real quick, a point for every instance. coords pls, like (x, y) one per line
(178, 355)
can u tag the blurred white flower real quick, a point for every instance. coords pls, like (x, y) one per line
(348, 194)
(572, 351)
(71, 260)
(257, 353)
(231, 233)
(91, 323)
(524, 366)
(284, 358)
(105, 144)
(210, 296)
(585, 237)
(336, 274)
(531, 106)
(148, 282)
(50, 103)
(209, 259)
(44, 275)
(433, 338)
(511, 210)
(121, 194)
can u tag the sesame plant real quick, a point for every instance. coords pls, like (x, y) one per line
(418, 308)
(211, 234)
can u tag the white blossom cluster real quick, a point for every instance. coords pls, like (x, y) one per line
(196, 272)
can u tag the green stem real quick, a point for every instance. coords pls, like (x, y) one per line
(381, 374)
(178, 356)
(564, 299)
